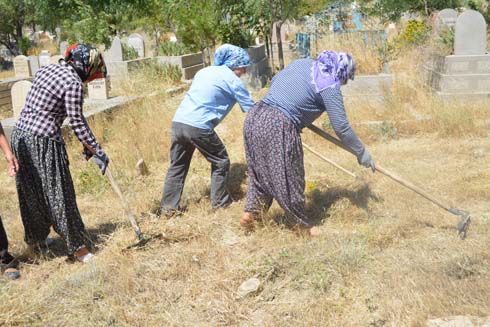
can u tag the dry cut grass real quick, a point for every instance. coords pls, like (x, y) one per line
(386, 257)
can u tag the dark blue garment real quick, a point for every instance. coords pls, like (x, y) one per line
(292, 91)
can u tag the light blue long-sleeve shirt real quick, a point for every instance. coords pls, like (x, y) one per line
(214, 91)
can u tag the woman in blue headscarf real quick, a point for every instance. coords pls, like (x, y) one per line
(214, 91)
(298, 95)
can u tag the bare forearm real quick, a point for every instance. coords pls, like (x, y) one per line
(4, 145)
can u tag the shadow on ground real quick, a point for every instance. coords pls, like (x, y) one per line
(319, 202)
(95, 237)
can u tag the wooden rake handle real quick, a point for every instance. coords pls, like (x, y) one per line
(382, 170)
(117, 189)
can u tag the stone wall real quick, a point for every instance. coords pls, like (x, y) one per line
(189, 64)
(259, 73)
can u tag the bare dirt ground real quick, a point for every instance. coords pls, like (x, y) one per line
(386, 256)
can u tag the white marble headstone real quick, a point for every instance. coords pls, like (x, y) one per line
(22, 67)
(446, 18)
(471, 34)
(115, 53)
(44, 58)
(19, 93)
(136, 41)
(98, 89)
(34, 63)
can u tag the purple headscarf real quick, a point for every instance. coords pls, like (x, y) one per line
(332, 69)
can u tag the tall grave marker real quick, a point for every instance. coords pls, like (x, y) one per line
(471, 34)
(22, 67)
(44, 58)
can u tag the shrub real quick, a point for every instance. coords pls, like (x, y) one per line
(173, 49)
(24, 45)
(129, 53)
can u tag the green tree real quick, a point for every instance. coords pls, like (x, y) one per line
(392, 10)
(14, 15)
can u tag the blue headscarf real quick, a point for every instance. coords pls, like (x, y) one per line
(332, 69)
(231, 56)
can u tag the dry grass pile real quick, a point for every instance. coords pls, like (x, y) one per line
(386, 257)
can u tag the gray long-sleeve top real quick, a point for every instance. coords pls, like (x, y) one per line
(292, 91)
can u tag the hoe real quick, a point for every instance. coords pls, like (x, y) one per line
(464, 216)
(142, 240)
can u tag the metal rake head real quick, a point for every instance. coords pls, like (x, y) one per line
(464, 221)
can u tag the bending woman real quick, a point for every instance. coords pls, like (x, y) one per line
(214, 91)
(44, 183)
(298, 95)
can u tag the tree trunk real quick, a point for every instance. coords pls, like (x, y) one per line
(272, 49)
(279, 44)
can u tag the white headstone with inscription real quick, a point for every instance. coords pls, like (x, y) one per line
(98, 90)
(44, 58)
(136, 41)
(19, 93)
(470, 37)
(21, 66)
(446, 18)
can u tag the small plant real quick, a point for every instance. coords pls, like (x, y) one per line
(129, 53)
(173, 49)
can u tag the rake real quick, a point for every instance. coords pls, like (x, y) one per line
(142, 239)
(464, 216)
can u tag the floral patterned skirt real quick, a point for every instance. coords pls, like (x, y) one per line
(45, 190)
(274, 155)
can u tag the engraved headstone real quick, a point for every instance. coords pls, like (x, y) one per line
(21, 66)
(98, 90)
(446, 18)
(44, 58)
(63, 46)
(19, 93)
(34, 63)
(471, 34)
(115, 53)
(136, 41)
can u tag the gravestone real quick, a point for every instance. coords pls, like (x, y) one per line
(21, 66)
(98, 90)
(446, 18)
(44, 58)
(34, 63)
(55, 59)
(471, 34)
(63, 46)
(115, 53)
(19, 93)
(136, 41)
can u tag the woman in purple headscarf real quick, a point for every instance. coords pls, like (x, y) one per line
(298, 95)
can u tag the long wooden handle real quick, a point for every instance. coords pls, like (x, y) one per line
(117, 189)
(382, 170)
(333, 163)
(131, 216)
